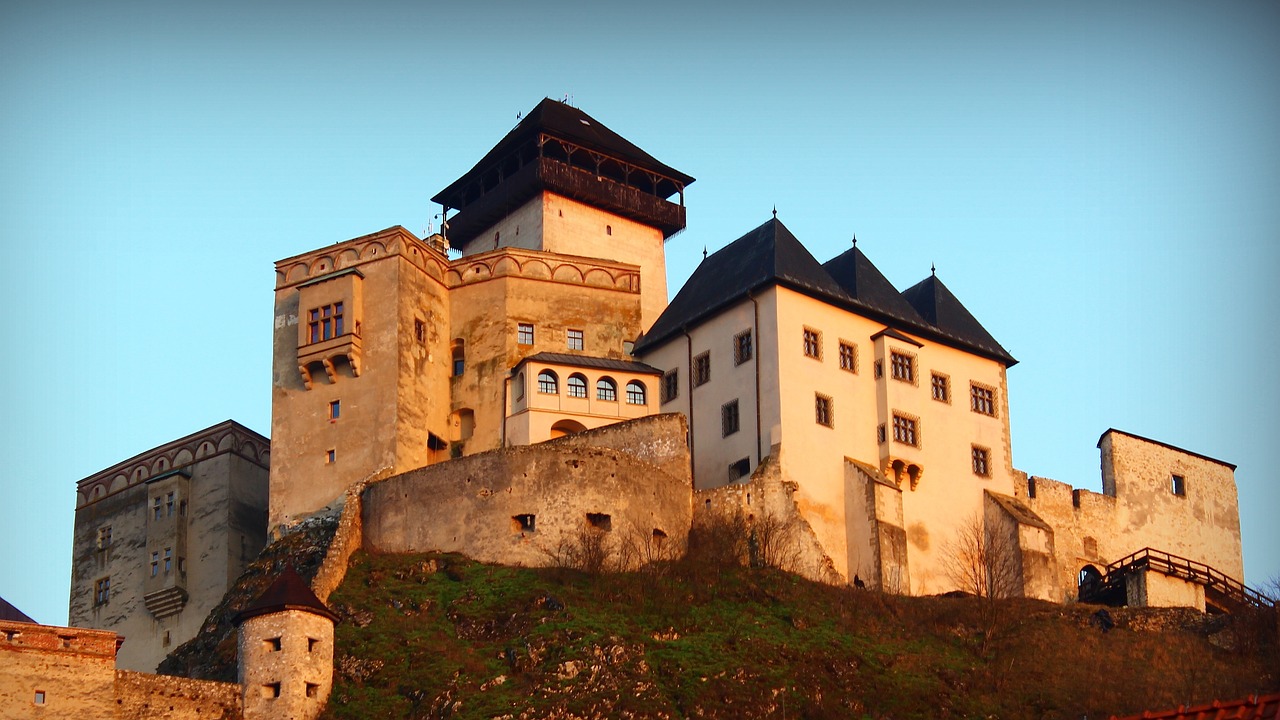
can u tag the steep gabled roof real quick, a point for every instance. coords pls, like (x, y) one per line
(568, 123)
(767, 255)
(12, 614)
(948, 317)
(287, 592)
(869, 288)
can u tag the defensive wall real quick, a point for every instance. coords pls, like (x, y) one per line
(520, 505)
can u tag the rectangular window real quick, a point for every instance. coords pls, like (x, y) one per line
(312, 690)
(312, 644)
(104, 537)
(823, 411)
(903, 366)
(904, 430)
(335, 409)
(574, 339)
(812, 343)
(729, 418)
(271, 690)
(168, 560)
(168, 504)
(330, 456)
(102, 591)
(878, 370)
(742, 347)
(670, 385)
(739, 469)
(848, 357)
(941, 388)
(524, 333)
(880, 433)
(981, 461)
(325, 322)
(1178, 485)
(419, 331)
(157, 512)
(39, 697)
(155, 563)
(272, 644)
(524, 523)
(982, 399)
(702, 369)
(600, 521)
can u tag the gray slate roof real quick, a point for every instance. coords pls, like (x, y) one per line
(771, 255)
(588, 361)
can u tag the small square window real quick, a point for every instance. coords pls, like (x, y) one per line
(271, 690)
(312, 644)
(600, 521)
(524, 333)
(848, 357)
(729, 418)
(335, 409)
(312, 690)
(941, 388)
(39, 699)
(812, 343)
(742, 347)
(981, 461)
(702, 369)
(525, 523)
(824, 413)
(670, 385)
(1178, 485)
(574, 339)
(272, 644)
(982, 399)
(330, 456)
(904, 431)
(903, 366)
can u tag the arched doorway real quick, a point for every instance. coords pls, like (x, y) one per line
(1088, 581)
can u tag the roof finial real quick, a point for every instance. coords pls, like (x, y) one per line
(704, 252)
(775, 211)
(933, 269)
(855, 239)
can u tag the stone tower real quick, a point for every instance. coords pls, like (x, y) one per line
(393, 352)
(286, 651)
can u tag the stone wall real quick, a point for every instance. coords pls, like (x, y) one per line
(521, 505)
(56, 672)
(140, 696)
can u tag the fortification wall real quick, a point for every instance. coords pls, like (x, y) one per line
(140, 696)
(48, 671)
(519, 505)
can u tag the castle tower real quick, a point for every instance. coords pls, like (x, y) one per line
(562, 182)
(286, 651)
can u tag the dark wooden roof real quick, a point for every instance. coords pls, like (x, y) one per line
(771, 255)
(935, 303)
(588, 361)
(287, 592)
(12, 614)
(767, 255)
(569, 123)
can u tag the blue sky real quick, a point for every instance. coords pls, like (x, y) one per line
(1098, 183)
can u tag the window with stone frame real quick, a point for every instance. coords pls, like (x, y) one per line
(1178, 485)
(824, 410)
(102, 591)
(729, 418)
(104, 537)
(902, 367)
(981, 461)
(905, 430)
(742, 347)
(982, 399)
(702, 369)
(524, 333)
(670, 385)
(848, 357)
(574, 339)
(940, 386)
(813, 343)
(325, 322)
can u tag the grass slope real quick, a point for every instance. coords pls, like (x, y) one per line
(426, 636)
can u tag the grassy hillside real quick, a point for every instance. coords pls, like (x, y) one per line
(427, 636)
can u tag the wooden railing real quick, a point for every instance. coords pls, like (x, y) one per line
(1111, 584)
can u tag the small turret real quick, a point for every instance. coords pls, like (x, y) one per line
(286, 651)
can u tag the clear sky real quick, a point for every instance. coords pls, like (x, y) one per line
(1099, 183)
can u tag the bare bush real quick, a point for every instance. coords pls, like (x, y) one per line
(589, 550)
(981, 561)
(774, 542)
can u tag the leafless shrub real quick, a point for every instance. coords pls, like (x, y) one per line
(982, 561)
(774, 541)
(589, 550)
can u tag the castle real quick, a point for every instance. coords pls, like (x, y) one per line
(521, 376)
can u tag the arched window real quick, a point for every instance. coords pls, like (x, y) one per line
(606, 389)
(635, 393)
(577, 386)
(548, 382)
